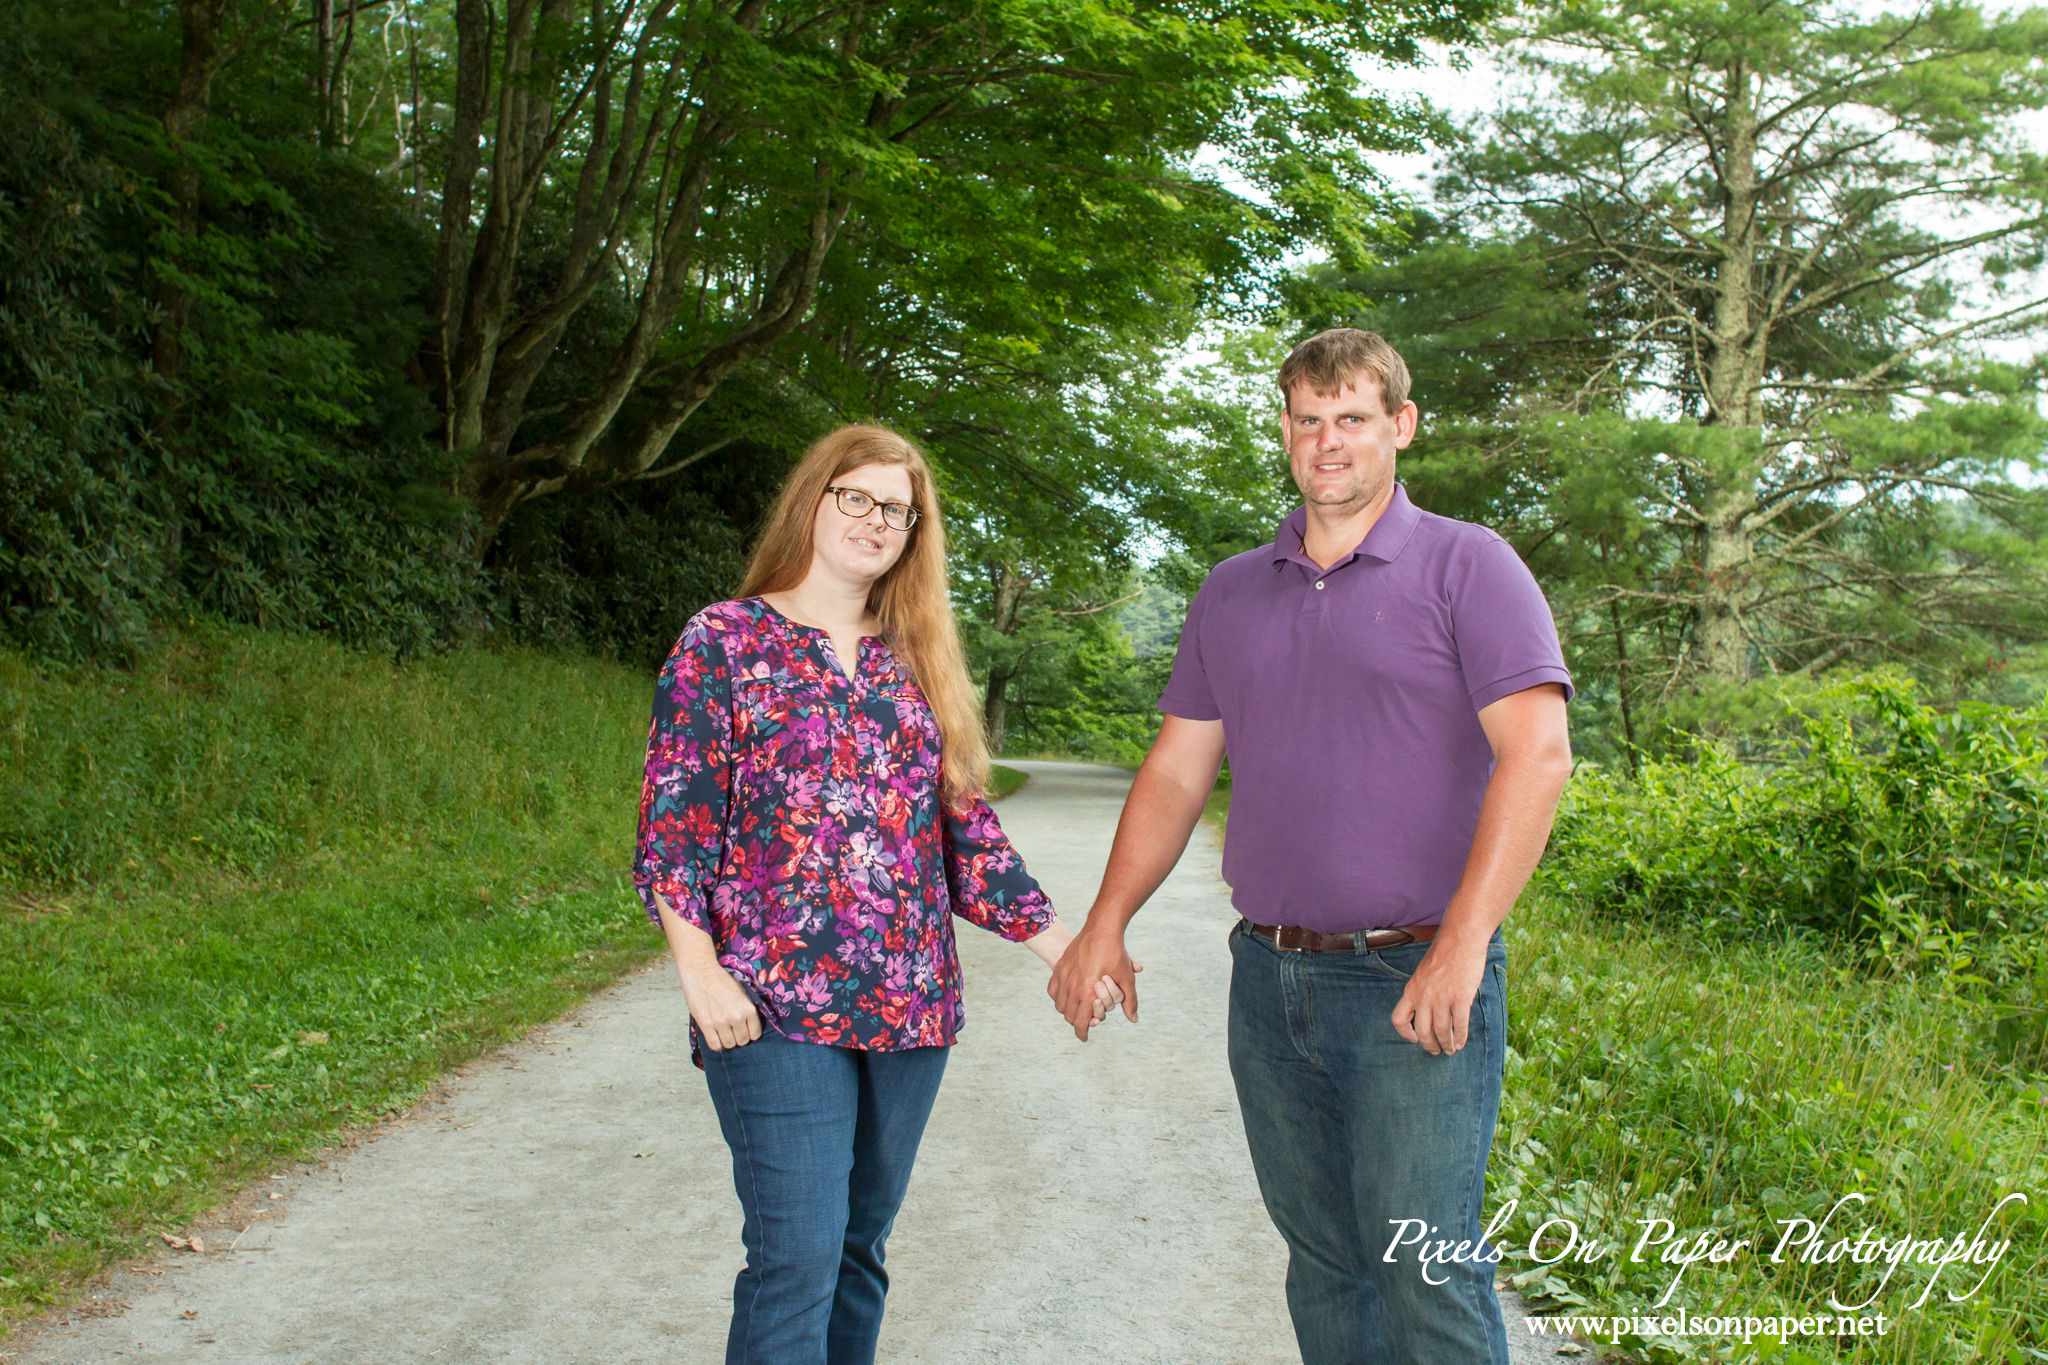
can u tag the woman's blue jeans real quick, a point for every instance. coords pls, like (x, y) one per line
(1354, 1130)
(822, 1141)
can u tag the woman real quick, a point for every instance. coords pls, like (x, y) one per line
(812, 810)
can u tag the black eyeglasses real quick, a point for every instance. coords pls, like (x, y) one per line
(898, 516)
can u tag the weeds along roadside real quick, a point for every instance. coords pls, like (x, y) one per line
(1746, 990)
(264, 888)
(1732, 1086)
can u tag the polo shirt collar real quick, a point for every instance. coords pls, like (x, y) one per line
(1383, 542)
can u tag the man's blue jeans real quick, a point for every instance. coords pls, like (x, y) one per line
(1354, 1129)
(822, 1143)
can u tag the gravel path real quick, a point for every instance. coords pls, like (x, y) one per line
(569, 1199)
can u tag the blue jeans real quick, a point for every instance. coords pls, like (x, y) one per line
(822, 1143)
(1354, 1130)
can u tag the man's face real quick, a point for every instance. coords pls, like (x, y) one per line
(1341, 450)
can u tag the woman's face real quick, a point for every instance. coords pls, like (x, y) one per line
(859, 550)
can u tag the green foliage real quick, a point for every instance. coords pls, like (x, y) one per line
(279, 477)
(1917, 837)
(1728, 1085)
(250, 368)
(1152, 620)
(82, 567)
(237, 752)
(618, 574)
(1100, 703)
(266, 887)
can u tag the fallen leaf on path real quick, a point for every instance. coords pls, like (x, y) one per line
(189, 1313)
(196, 1244)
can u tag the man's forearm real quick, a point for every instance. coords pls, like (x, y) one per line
(1152, 833)
(1514, 825)
(1165, 801)
(1532, 759)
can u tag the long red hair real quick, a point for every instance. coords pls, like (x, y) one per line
(911, 600)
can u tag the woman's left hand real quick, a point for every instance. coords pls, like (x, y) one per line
(1108, 995)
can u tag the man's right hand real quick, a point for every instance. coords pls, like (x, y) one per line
(1092, 955)
(724, 1013)
(1159, 814)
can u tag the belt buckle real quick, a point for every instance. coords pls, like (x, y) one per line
(1301, 938)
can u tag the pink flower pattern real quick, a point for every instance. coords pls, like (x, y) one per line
(794, 814)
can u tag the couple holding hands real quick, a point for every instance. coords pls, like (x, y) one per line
(1389, 688)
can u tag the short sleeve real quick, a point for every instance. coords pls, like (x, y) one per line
(1506, 638)
(688, 780)
(986, 879)
(1187, 693)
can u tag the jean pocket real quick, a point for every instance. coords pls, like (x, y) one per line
(1400, 960)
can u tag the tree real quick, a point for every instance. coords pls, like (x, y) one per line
(1704, 318)
(382, 275)
(712, 160)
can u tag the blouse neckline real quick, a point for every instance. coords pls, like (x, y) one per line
(850, 676)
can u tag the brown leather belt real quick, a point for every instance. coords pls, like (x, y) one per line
(1309, 941)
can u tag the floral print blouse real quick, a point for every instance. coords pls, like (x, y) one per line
(793, 812)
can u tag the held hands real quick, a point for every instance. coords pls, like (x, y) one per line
(1108, 995)
(1092, 974)
(1094, 997)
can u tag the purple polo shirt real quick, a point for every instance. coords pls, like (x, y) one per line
(1349, 698)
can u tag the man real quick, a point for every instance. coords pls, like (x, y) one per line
(1389, 689)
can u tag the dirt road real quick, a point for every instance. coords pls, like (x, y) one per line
(570, 1200)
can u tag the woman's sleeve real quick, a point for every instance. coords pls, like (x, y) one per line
(688, 781)
(987, 880)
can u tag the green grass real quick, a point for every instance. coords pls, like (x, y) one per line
(1727, 1087)
(1730, 1087)
(1003, 781)
(265, 888)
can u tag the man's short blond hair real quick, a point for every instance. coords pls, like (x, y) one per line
(1332, 360)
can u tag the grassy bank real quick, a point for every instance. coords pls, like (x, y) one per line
(1003, 781)
(265, 888)
(1726, 1088)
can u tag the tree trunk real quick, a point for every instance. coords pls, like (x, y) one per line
(199, 27)
(640, 178)
(1724, 648)
(995, 708)
(323, 67)
(1732, 366)
(1008, 599)
(1621, 684)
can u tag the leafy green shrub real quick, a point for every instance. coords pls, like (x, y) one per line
(1920, 837)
